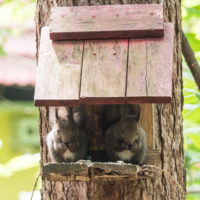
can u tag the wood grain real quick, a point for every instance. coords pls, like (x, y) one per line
(86, 170)
(58, 72)
(103, 22)
(104, 72)
(80, 169)
(152, 157)
(146, 121)
(150, 69)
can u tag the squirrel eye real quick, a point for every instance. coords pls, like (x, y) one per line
(59, 140)
(137, 141)
(122, 143)
(73, 140)
(119, 142)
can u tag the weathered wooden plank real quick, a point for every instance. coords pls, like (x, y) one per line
(146, 121)
(104, 72)
(87, 170)
(152, 157)
(113, 21)
(117, 169)
(136, 75)
(160, 68)
(58, 72)
(150, 69)
(77, 168)
(66, 171)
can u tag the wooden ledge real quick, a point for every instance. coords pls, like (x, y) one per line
(85, 170)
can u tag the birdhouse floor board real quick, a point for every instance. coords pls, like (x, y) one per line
(85, 170)
(66, 168)
(104, 22)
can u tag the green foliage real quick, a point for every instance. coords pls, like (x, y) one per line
(191, 115)
(191, 110)
(193, 197)
(191, 24)
(194, 41)
(192, 12)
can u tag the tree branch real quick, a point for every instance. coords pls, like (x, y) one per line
(190, 59)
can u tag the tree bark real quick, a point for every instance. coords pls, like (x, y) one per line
(168, 137)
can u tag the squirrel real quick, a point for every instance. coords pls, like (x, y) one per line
(126, 139)
(68, 141)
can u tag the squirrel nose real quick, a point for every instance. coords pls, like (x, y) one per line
(66, 143)
(130, 146)
(125, 146)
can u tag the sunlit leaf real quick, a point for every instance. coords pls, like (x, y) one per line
(194, 11)
(196, 140)
(2, 52)
(193, 196)
(194, 42)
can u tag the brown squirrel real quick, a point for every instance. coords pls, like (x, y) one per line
(126, 139)
(67, 141)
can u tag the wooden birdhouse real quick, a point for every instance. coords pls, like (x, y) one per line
(104, 55)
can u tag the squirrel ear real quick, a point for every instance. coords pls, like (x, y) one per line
(130, 111)
(62, 122)
(135, 111)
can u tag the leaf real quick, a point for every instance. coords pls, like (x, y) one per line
(194, 11)
(194, 41)
(2, 52)
(193, 196)
(190, 98)
(195, 140)
(194, 115)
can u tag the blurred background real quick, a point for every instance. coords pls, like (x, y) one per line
(19, 136)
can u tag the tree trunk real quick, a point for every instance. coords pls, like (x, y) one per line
(169, 182)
